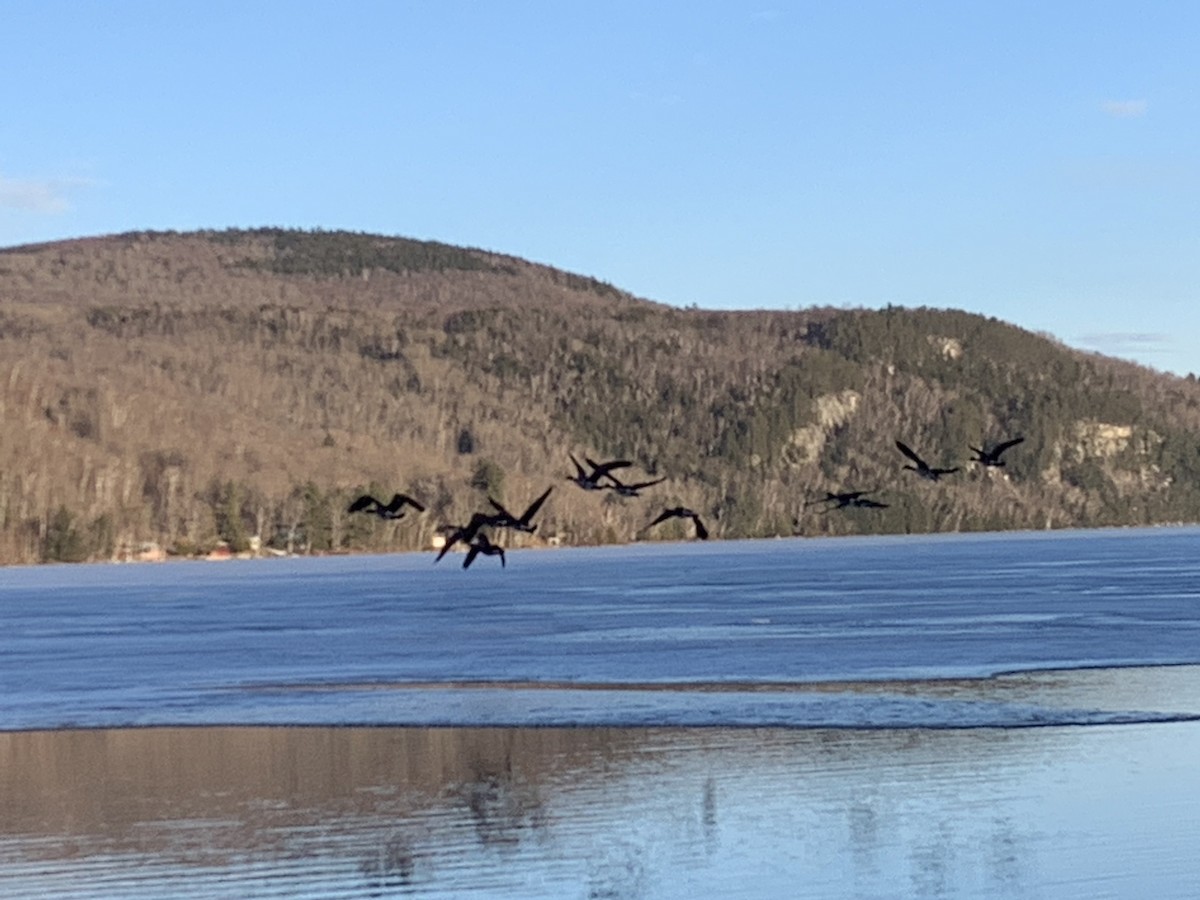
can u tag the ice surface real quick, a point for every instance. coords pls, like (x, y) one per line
(870, 632)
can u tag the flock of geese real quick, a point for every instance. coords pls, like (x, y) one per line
(989, 457)
(594, 476)
(598, 476)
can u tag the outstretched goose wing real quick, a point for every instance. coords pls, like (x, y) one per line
(601, 469)
(580, 471)
(1000, 448)
(411, 501)
(504, 513)
(662, 517)
(366, 501)
(907, 451)
(529, 513)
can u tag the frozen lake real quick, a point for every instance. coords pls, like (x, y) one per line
(967, 715)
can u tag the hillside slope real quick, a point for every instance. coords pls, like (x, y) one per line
(186, 388)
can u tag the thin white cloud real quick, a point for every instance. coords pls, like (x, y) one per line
(49, 196)
(1124, 109)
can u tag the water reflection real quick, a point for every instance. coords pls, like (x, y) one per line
(391, 869)
(603, 813)
(501, 804)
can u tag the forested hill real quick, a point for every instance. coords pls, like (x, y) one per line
(191, 388)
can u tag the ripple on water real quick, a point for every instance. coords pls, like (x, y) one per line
(553, 812)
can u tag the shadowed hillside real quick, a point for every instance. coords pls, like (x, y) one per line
(217, 386)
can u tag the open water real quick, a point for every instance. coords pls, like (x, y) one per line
(944, 716)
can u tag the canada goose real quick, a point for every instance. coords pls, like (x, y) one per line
(682, 512)
(844, 498)
(465, 533)
(591, 481)
(923, 468)
(481, 544)
(991, 456)
(393, 510)
(863, 503)
(858, 499)
(630, 490)
(505, 519)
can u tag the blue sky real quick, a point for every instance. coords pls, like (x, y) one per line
(1034, 161)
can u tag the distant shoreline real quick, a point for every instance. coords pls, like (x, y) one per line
(1079, 531)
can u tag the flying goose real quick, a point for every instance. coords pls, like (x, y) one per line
(844, 499)
(630, 490)
(394, 509)
(923, 468)
(505, 519)
(840, 500)
(682, 512)
(991, 456)
(481, 544)
(863, 503)
(465, 533)
(591, 481)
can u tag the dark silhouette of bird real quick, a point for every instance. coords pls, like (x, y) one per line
(590, 481)
(465, 533)
(481, 544)
(524, 522)
(682, 512)
(394, 509)
(630, 490)
(864, 503)
(844, 499)
(991, 456)
(841, 499)
(923, 468)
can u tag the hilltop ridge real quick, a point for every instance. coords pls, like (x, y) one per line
(217, 385)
